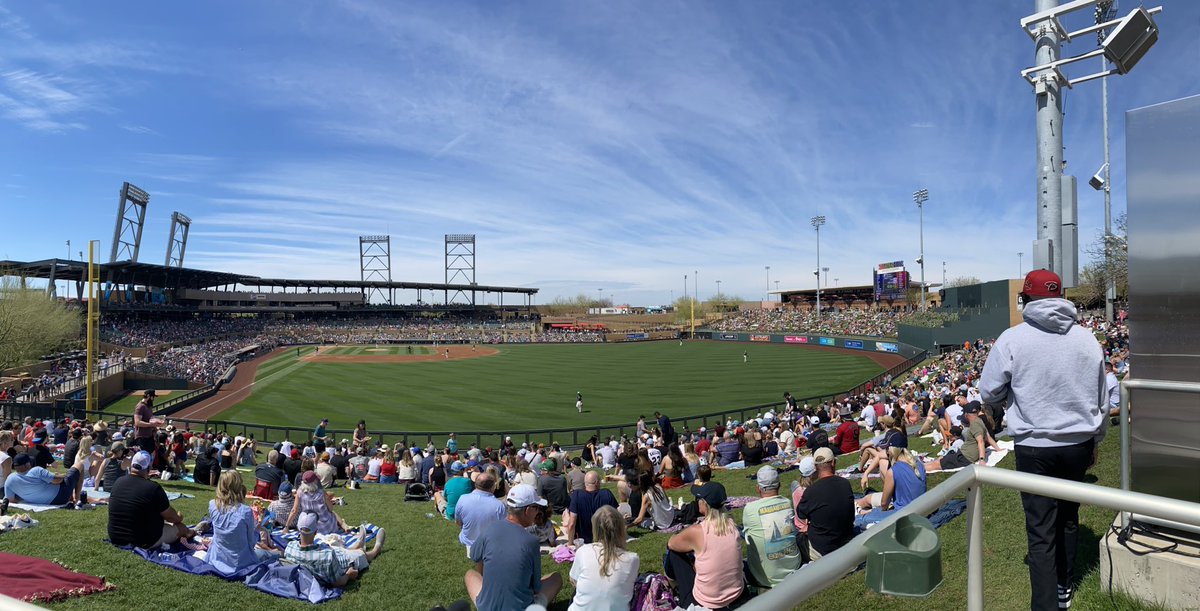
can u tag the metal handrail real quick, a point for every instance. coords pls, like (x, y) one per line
(811, 579)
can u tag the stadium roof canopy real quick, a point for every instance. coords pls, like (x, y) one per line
(148, 274)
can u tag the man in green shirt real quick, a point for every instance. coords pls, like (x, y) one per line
(975, 440)
(770, 533)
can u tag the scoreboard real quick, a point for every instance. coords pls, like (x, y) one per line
(891, 281)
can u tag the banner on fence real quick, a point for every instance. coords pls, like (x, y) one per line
(827, 341)
(731, 336)
(796, 339)
(886, 347)
(853, 343)
(760, 338)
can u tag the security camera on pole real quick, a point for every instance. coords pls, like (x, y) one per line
(1056, 247)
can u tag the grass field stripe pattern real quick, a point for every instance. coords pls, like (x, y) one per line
(533, 386)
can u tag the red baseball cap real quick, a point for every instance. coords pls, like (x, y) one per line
(1042, 283)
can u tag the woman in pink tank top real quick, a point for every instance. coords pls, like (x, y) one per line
(705, 560)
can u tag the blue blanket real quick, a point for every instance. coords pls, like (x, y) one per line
(274, 577)
(952, 509)
(349, 539)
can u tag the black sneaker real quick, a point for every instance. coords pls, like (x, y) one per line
(1065, 593)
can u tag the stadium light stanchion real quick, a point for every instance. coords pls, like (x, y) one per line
(768, 283)
(817, 221)
(921, 197)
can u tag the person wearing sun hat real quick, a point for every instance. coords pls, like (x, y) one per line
(1048, 372)
(508, 564)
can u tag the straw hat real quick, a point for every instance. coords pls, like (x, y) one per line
(100, 426)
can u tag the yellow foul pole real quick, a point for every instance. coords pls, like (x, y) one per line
(93, 327)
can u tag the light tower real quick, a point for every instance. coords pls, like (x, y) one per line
(817, 221)
(920, 197)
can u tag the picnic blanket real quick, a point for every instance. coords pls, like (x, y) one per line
(38, 580)
(952, 509)
(274, 577)
(282, 537)
(99, 496)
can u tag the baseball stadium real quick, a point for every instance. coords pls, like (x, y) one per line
(249, 421)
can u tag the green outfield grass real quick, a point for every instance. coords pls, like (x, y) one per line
(534, 386)
(423, 563)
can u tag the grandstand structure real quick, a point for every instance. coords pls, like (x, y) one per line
(852, 297)
(146, 287)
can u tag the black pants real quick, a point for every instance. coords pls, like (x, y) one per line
(681, 569)
(1051, 525)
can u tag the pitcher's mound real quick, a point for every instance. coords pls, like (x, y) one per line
(448, 353)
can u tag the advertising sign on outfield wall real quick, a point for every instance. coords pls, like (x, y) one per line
(796, 339)
(827, 341)
(886, 347)
(637, 336)
(760, 338)
(732, 336)
(853, 343)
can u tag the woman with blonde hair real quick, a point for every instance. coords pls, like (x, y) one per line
(238, 541)
(903, 483)
(705, 560)
(406, 469)
(604, 571)
(6, 442)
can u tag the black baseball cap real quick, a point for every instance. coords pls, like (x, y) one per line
(712, 493)
(972, 408)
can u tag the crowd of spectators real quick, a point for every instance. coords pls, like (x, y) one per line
(62, 375)
(869, 323)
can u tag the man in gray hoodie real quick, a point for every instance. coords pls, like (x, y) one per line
(1049, 372)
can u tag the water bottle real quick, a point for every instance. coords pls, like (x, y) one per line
(429, 515)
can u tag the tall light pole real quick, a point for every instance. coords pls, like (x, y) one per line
(835, 281)
(1020, 265)
(718, 288)
(921, 197)
(943, 274)
(777, 290)
(1105, 11)
(600, 298)
(817, 221)
(696, 299)
(826, 270)
(768, 283)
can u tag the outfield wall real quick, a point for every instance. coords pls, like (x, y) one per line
(885, 345)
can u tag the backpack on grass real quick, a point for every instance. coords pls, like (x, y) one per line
(652, 592)
(416, 492)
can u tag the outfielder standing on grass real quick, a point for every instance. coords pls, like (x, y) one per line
(579, 402)
(1049, 371)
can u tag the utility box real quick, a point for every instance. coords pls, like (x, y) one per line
(905, 559)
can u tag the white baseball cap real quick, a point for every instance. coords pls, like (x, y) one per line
(523, 495)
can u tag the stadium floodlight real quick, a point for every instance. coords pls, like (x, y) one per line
(817, 221)
(921, 197)
(1097, 180)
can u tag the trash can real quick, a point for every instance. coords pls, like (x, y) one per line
(905, 559)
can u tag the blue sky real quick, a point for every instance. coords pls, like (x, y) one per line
(614, 145)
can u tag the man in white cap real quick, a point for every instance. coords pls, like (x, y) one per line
(770, 533)
(508, 566)
(139, 513)
(332, 566)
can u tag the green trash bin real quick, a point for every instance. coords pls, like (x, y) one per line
(905, 559)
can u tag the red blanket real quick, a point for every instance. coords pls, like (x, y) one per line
(38, 580)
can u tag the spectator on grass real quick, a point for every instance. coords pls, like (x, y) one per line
(770, 533)
(828, 506)
(808, 470)
(325, 471)
(705, 560)
(144, 422)
(310, 498)
(508, 565)
(238, 541)
(458, 485)
(71, 448)
(6, 444)
(332, 566)
(474, 510)
(340, 461)
(902, 484)
(387, 470)
(604, 571)
(360, 465)
(114, 467)
(553, 487)
(406, 468)
(360, 434)
(975, 440)
(28, 483)
(267, 477)
(207, 470)
(139, 513)
(656, 512)
(320, 436)
(845, 440)
(374, 465)
(282, 506)
(584, 503)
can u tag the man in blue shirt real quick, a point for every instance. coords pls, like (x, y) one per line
(508, 566)
(37, 486)
(476, 509)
